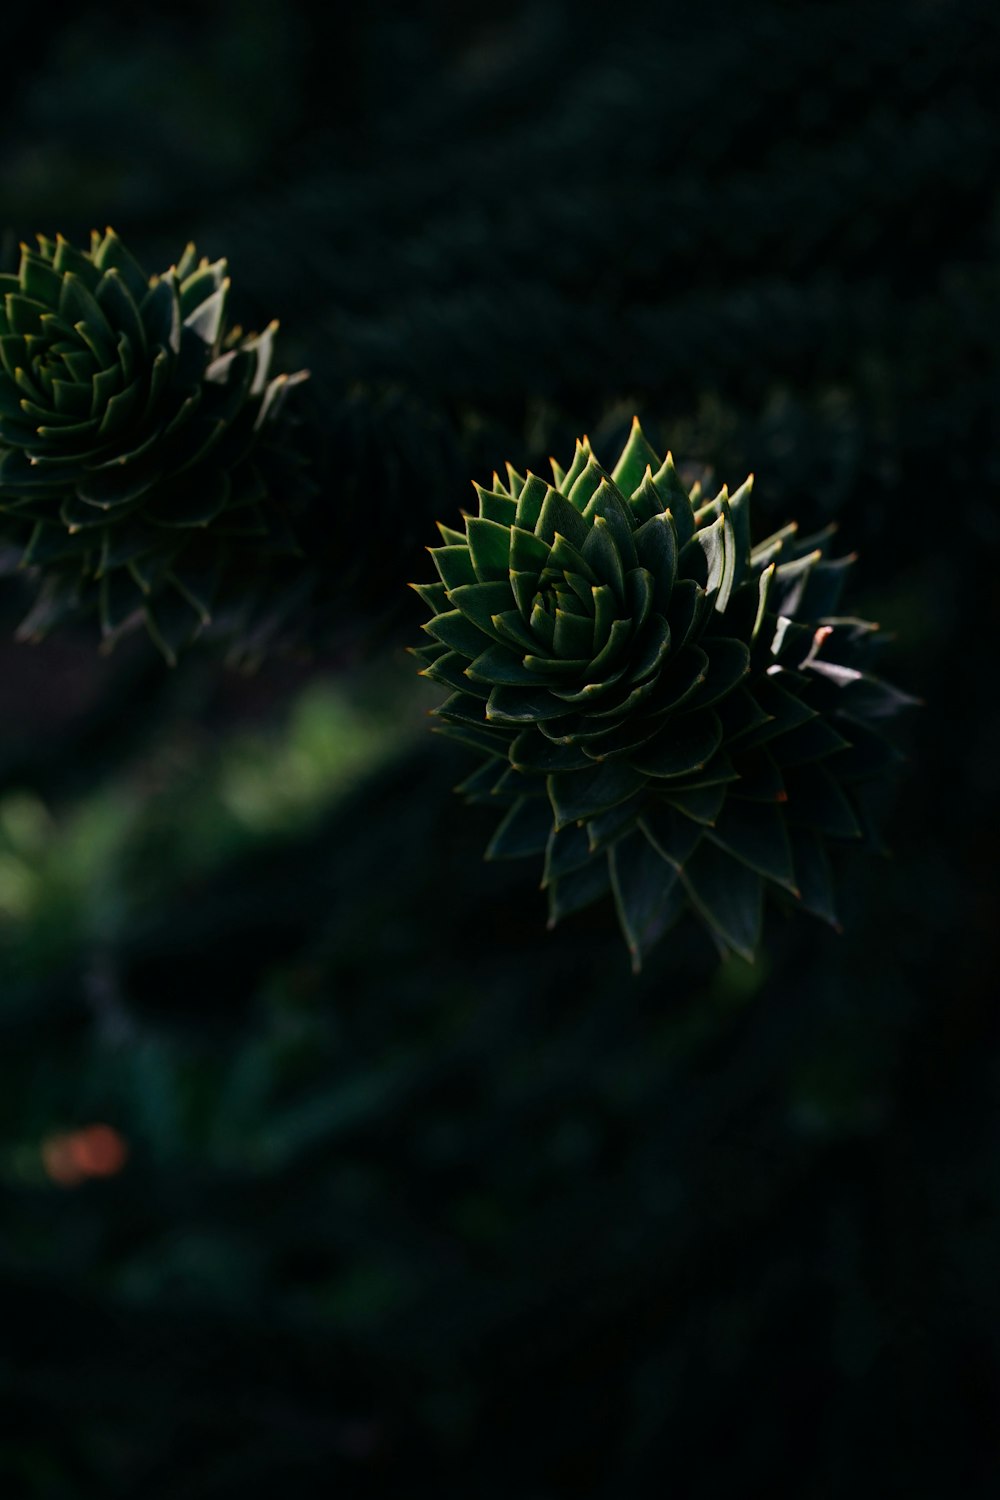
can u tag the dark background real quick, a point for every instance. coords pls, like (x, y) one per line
(419, 1199)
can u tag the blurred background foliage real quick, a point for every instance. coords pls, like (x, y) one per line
(395, 1192)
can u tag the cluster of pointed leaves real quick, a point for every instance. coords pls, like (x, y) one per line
(145, 457)
(668, 713)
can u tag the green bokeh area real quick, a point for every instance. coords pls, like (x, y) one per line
(419, 1198)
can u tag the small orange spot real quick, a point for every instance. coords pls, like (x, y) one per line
(94, 1151)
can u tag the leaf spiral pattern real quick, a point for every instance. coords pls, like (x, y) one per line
(668, 712)
(145, 452)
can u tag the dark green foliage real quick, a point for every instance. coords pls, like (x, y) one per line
(146, 468)
(672, 714)
(420, 1198)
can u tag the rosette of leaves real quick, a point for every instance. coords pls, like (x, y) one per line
(148, 466)
(667, 712)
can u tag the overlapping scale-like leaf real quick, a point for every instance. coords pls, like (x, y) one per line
(672, 716)
(145, 453)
